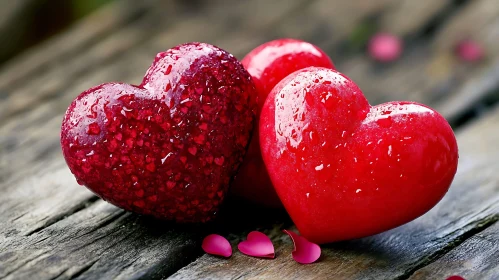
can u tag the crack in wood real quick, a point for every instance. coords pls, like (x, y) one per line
(429, 29)
(478, 226)
(82, 270)
(58, 275)
(113, 217)
(18, 217)
(54, 219)
(162, 270)
(23, 264)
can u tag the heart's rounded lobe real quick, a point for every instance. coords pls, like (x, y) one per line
(344, 169)
(170, 146)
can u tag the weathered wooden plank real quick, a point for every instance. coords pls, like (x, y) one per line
(61, 48)
(476, 258)
(471, 204)
(479, 86)
(326, 22)
(29, 146)
(481, 13)
(409, 17)
(98, 242)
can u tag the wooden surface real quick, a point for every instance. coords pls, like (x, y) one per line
(51, 228)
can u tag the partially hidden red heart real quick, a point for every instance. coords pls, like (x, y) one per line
(218, 245)
(257, 244)
(304, 251)
(169, 146)
(268, 64)
(344, 169)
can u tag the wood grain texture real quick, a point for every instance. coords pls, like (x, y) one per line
(62, 47)
(471, 204)
(52, 228)
(476, 258)
(406, 16)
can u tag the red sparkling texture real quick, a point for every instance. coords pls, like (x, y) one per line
(385, 47)
(344, 169)
(170, 146)
(268, 64)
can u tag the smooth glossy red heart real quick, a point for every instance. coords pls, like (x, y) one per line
(344, 169)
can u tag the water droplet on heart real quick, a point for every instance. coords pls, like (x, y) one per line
(328, 98)
(93, 129)
(168, 69)
(219, 161)
(385, 122)
(93, 111)
(314, 137)
(168, 87)
(408, 139)
(361, 115)
(192, 150)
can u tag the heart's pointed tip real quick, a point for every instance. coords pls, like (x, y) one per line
(305, 252)
(217, 245)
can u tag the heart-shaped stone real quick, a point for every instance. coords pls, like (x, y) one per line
(257, 244)
(170, 146)
(344, 169)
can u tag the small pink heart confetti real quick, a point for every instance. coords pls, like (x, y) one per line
(305, 252)
(257, 244)
(385, 47)
(215, 244)
(455, 277)
(470, 51)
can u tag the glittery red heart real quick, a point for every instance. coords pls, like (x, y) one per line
(169, 146)
(344, 169)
